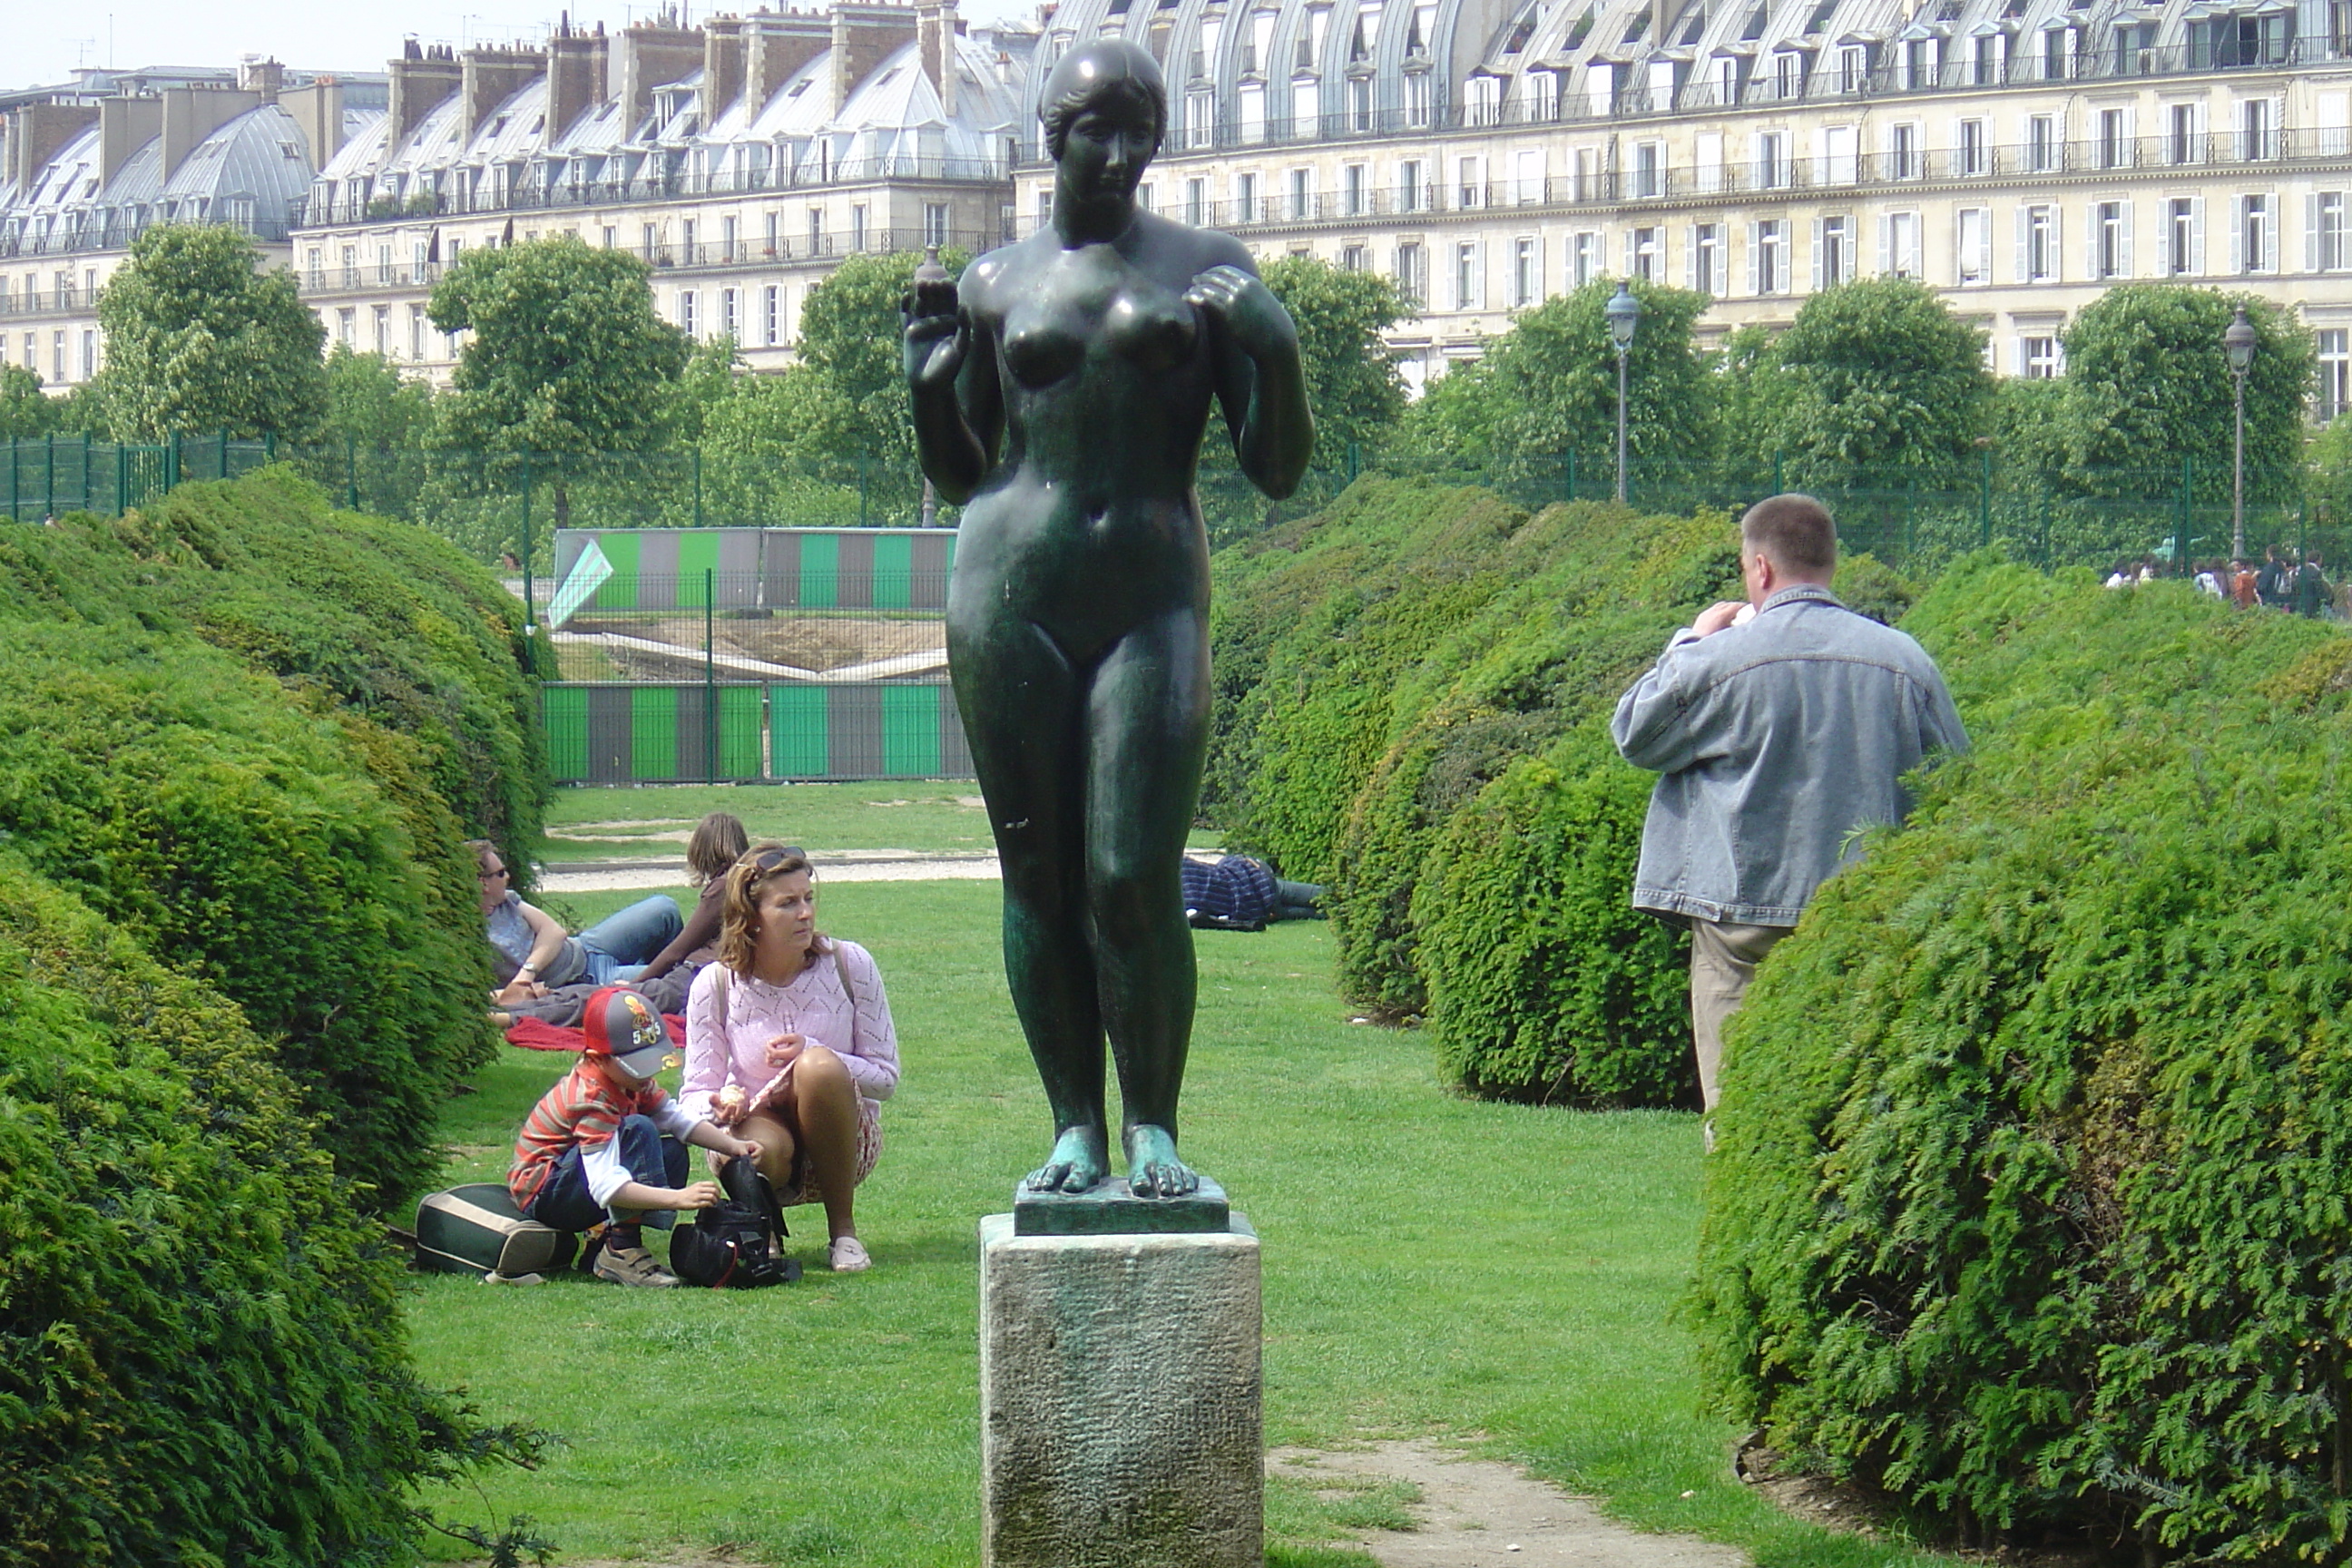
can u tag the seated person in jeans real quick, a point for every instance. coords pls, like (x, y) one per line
(591, 1155)
(530, 954)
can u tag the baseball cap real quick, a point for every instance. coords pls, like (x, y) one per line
(622, 1024)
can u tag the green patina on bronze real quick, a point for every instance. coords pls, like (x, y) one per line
(1110, 1209)
(1060, 392)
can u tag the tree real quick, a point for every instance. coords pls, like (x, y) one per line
(754, 451)
(566, 354)
(1877, 382)
(25, 409)
(1747, 398)
(2148, 384)
(198, 341)
(1547, 389)
(371, 405)
(1352, 384)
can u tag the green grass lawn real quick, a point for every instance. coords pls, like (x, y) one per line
(1500, 1275)
(623, 823)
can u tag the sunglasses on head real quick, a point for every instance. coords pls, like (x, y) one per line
(769, 859)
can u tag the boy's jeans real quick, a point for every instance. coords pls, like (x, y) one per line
(565, 1203)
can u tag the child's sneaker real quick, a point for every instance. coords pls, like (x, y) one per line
(631, 1265)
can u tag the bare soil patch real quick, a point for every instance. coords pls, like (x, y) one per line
(1476, 1513)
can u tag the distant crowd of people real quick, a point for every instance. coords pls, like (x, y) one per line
(2294, 580)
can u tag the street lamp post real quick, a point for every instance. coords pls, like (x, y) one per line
(1625, 314)
(2239, 339)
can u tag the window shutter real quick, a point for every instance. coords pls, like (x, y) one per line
(2091, 240)
(1752, 232)
(2057, 243)
(2125, 258)
(1690, 257)
(1817, 255)
(2197, 235)
(2311, 233)
(1885, 245)
(2021, 276)
(2238, 237)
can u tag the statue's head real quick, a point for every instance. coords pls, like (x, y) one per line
(1108, 76)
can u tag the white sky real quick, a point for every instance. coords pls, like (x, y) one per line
(44, 41)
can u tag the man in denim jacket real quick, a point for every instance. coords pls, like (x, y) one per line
(1782, 726)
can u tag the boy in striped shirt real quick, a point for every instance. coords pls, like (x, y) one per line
(592, 1149)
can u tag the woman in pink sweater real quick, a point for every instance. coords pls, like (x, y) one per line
(788, 1044)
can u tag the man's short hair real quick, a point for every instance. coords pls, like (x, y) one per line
(1794, 532)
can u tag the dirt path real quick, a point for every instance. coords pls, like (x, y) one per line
(1476, 1513)
(837, 866)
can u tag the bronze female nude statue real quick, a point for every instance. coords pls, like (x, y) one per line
(1060, 394)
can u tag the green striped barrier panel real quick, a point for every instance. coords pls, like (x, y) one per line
(767, 568)
(629, 732)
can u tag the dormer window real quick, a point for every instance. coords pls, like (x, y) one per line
(1695, 31)
(1755, 27)
(1582, 30)
(1819, 22)
(1639, 30)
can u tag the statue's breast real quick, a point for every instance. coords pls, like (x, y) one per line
(1109, 303)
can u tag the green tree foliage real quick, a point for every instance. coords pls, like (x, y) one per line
(2148, 383)
(1748, 398)
(849, 343)
(756, 456)
(1352, 383)
(198, 341)
(25, 409)
(202, 1349)
(1547, 389)
(565, 352)
(1875, 379)
(2029, 1198)
(370, 405)
(2329, 485)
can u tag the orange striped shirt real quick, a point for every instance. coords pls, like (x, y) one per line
(584, 1107)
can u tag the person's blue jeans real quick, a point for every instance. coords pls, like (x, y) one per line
(566, 1204)
(624, 941)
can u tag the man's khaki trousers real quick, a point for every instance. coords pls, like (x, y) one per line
(1724, 956)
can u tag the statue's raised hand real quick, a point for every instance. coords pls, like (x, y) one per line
(1245, 309)
(936, 334)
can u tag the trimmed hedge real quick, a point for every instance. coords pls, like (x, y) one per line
(2032, 1199)
(250, 844)
(202, 1352)
(1414, 688)
(383, 618)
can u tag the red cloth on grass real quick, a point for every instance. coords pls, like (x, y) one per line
(532, 1034)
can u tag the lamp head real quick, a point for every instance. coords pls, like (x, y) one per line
(1623, 313)
(2239, 339)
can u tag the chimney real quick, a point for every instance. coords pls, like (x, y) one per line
(489, 77)
(125, 125)
(576, 72)
(936, 27)
(190, 115)
(863, 36)
(420, 84)
(775, 46)
(318, 111)
(40, 130)
(722, 65)
(649, 54)
(263, 78)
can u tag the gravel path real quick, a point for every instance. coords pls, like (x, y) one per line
(836, 866)
(1476, 1513)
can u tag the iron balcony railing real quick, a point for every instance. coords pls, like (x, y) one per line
(376, 277)
(544, 187)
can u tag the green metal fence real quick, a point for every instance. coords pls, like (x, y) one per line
(631, 733)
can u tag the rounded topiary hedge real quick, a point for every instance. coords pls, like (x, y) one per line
(383, 618)
(202, 1356)
(2032, 1199)
(248, 842)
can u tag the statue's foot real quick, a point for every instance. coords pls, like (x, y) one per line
(1081, 1159)
(1153, 1170)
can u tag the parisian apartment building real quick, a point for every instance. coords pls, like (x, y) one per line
(2018, 155)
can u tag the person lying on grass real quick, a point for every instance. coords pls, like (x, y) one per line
(591, 1156)
(789, 1041)
(531, 955)
(718, 841)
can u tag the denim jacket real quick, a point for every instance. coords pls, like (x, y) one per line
(1777, 739)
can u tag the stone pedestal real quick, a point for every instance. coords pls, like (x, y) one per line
(1120, 1393)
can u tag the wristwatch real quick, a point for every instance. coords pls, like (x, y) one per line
(526, 972)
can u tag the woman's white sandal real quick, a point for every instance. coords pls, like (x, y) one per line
(847, 1256)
